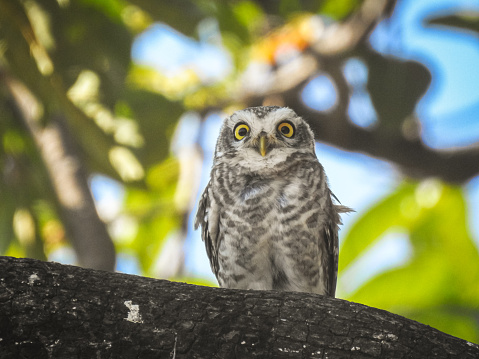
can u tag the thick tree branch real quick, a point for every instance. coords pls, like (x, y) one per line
(49, 310)
(346, 36)
(334, 127)
(413, 157)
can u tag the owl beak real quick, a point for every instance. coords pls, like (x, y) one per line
(263, 145)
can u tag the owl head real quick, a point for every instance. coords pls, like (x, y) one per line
(263, 137)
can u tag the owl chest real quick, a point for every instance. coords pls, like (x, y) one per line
(267, 203)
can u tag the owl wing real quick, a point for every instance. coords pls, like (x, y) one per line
(332, 242)
(330, 235)
(208, 218)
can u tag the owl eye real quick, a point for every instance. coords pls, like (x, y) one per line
(240, 131)
(286, 129)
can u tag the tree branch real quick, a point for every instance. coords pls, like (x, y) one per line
(346, 36)
(49, 310)
(68, 176)
(412, 156)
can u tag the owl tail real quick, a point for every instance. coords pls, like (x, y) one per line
(343, 209)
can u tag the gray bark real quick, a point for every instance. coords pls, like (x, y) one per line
(49, 310)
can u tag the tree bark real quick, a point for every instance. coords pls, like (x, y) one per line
(49, 310)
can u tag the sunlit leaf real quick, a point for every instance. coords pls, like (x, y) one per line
(196, 281)
(23, 61)
(155, 212)
(13, 142)
(249, 14)
(288, 7)
(455, 320)
(112, 8)
(7, 210)
(15, 250)
(229, 23)
(443, 270)
(100, 44)
(126, 164)
(156, 118)
(172, 87)
(338, 9)
(150, 239)
(393, 211)
(51, 94)
(164, 175)
(183, 15)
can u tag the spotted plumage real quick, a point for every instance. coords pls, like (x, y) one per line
(267, 214)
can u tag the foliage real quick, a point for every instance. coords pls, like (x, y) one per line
(437, 285)
(73, 57)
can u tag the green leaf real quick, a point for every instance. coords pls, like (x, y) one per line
(229, 23)
(50, 91)
(393, 211)
(155, 212)
(338, 9)
(235, 33)
(443, 270)
(164, 175)
(402, 288)
(442, 233)
(195, 281)
(288, 7)
(453, 320)
(7, 209)
(182, 15)
(249, 14)
(111, 8)
(156, 118)
(101, 45)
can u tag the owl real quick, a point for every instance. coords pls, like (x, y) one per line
(267, 215)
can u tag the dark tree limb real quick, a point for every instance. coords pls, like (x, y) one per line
(413, 157)
(410, 155)
(49, 310)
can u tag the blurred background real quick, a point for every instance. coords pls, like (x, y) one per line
(110, 110)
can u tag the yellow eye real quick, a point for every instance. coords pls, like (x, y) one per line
(240, 131)
(286, 129)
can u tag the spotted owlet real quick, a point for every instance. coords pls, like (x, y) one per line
(267, 214)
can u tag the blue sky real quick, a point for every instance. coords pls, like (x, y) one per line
(448, 111)
(170, 52)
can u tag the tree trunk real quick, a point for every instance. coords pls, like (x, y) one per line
(68, 175)
(49, 310)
